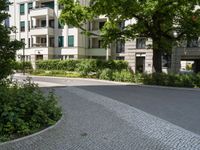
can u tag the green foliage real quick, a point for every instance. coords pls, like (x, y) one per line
(87, 66)
(68, 65)
(176, 80)
(25, 109)
(19, 66)
(114, 70)
(58, 73)
(189, 67)
(123, 76)
(155, 19)
(138, 78)
(7, 47)
(106, 74)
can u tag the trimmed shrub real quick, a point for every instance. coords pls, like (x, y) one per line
(25, 109)
(85, 65)
(47, 64)
(19, 66)
(177, 80)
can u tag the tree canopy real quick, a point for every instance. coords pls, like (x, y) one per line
(155, 19)
(7, 47)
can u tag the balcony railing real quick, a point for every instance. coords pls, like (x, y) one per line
(41, 11)
(40, 27)
(39, 45)
(43, 45)
(41, 7)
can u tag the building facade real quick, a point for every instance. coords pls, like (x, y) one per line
(38, 26)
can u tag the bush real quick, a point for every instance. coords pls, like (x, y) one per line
(86, 66)
(197, 80)
(177, 80)
(106, 74)
(123, 76)
(138, 78)
(20, 66)
(24, 109)
(47, 64)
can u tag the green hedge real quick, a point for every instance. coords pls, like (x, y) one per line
(20, 65)
(85, 65)
(118, 70)
(176, 80)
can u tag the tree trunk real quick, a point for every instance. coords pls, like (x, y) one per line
(157, 57)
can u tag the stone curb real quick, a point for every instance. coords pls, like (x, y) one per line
(32, 135)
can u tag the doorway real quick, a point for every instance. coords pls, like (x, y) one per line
(39, 57)
(140, 64)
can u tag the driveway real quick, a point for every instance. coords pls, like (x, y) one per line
(101, 115)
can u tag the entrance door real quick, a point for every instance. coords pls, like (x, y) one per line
(140, 64)
(39, 57)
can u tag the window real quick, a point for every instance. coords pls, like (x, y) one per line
(22, 9)
(60, 41)
(48, 4)
(120, 47)
(71, 41)
(60, 25)
(29, 26)
(100, 44)
(51, 23)
(140, 43)
(43, 23)
(30, 6)
(22, 26)
(101, 24)
(29, 42)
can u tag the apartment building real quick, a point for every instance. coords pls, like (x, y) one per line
(45, 37)
(38, 26)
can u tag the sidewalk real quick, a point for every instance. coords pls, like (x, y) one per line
(94, 122)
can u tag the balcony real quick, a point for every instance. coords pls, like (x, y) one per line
(40, 45)
(42, 31)
(41, 11)
(96, 52)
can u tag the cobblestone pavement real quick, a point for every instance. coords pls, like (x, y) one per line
(94, 122)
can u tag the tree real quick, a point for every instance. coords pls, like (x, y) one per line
(155, 19)
(7, 47)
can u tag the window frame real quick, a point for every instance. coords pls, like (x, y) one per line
(69, 42)
(22, 28)
(22, 9)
